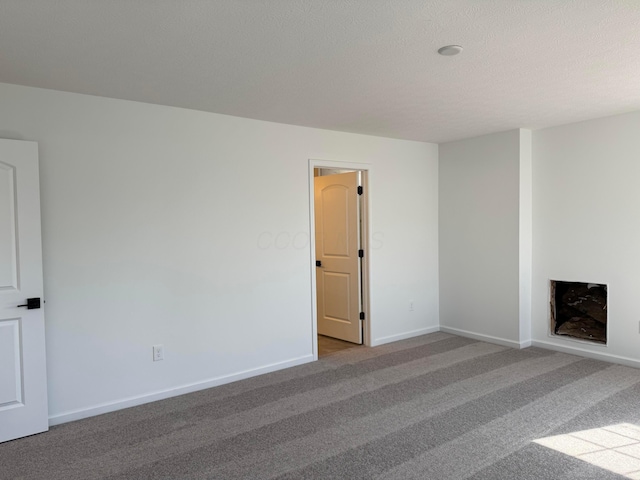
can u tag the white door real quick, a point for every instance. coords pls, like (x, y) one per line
(23, 378)
(337, 260)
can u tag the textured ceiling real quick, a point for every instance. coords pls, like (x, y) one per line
(364, 66)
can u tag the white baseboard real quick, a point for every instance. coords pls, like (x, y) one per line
(173, 392)
(486, 338)
(404, 336)
(583, 352)
(214, 382)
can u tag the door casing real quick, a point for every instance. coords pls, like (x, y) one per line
(366, 170)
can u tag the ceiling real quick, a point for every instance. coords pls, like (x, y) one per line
(363, 66)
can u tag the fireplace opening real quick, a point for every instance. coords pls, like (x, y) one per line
(579, 310)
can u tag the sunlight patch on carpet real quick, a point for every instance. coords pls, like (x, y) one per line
(615, 448)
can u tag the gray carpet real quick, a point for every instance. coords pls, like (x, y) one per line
(433, 407)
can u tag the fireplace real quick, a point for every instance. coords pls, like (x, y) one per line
(579, 310)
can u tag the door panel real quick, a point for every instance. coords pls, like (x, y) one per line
(335, 241)
(23, 380)
(337, 244)
(337, 295)
(8, 252)
(10, 363)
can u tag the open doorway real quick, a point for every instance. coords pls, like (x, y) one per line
(339, 234)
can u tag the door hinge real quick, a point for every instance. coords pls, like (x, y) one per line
(361, 253)
(361, 315)
(359, 190)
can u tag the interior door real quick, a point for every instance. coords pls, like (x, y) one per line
(337, 260)
(23, 379)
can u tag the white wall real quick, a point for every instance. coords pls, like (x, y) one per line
(483, 237)
(164, 225)
(586, 209)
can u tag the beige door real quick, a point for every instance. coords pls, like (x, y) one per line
(337, 260)
(23, 378)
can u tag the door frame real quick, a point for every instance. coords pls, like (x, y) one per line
(366, 170)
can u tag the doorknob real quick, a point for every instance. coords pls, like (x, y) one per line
(32, 303)
(318, 263)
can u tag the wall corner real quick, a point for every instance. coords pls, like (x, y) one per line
(525, 234)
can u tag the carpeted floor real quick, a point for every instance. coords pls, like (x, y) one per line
(433, 407)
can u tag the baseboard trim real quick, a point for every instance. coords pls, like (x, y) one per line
(173, 392)
(486, 338)
(526, 344)
(606, 357)
(404, 336)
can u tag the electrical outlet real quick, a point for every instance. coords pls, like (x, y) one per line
(158, 353)
(411, 305)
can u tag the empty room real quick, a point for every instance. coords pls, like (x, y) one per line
(313, 239)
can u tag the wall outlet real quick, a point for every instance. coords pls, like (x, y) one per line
(411, 305)
(158, 353)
